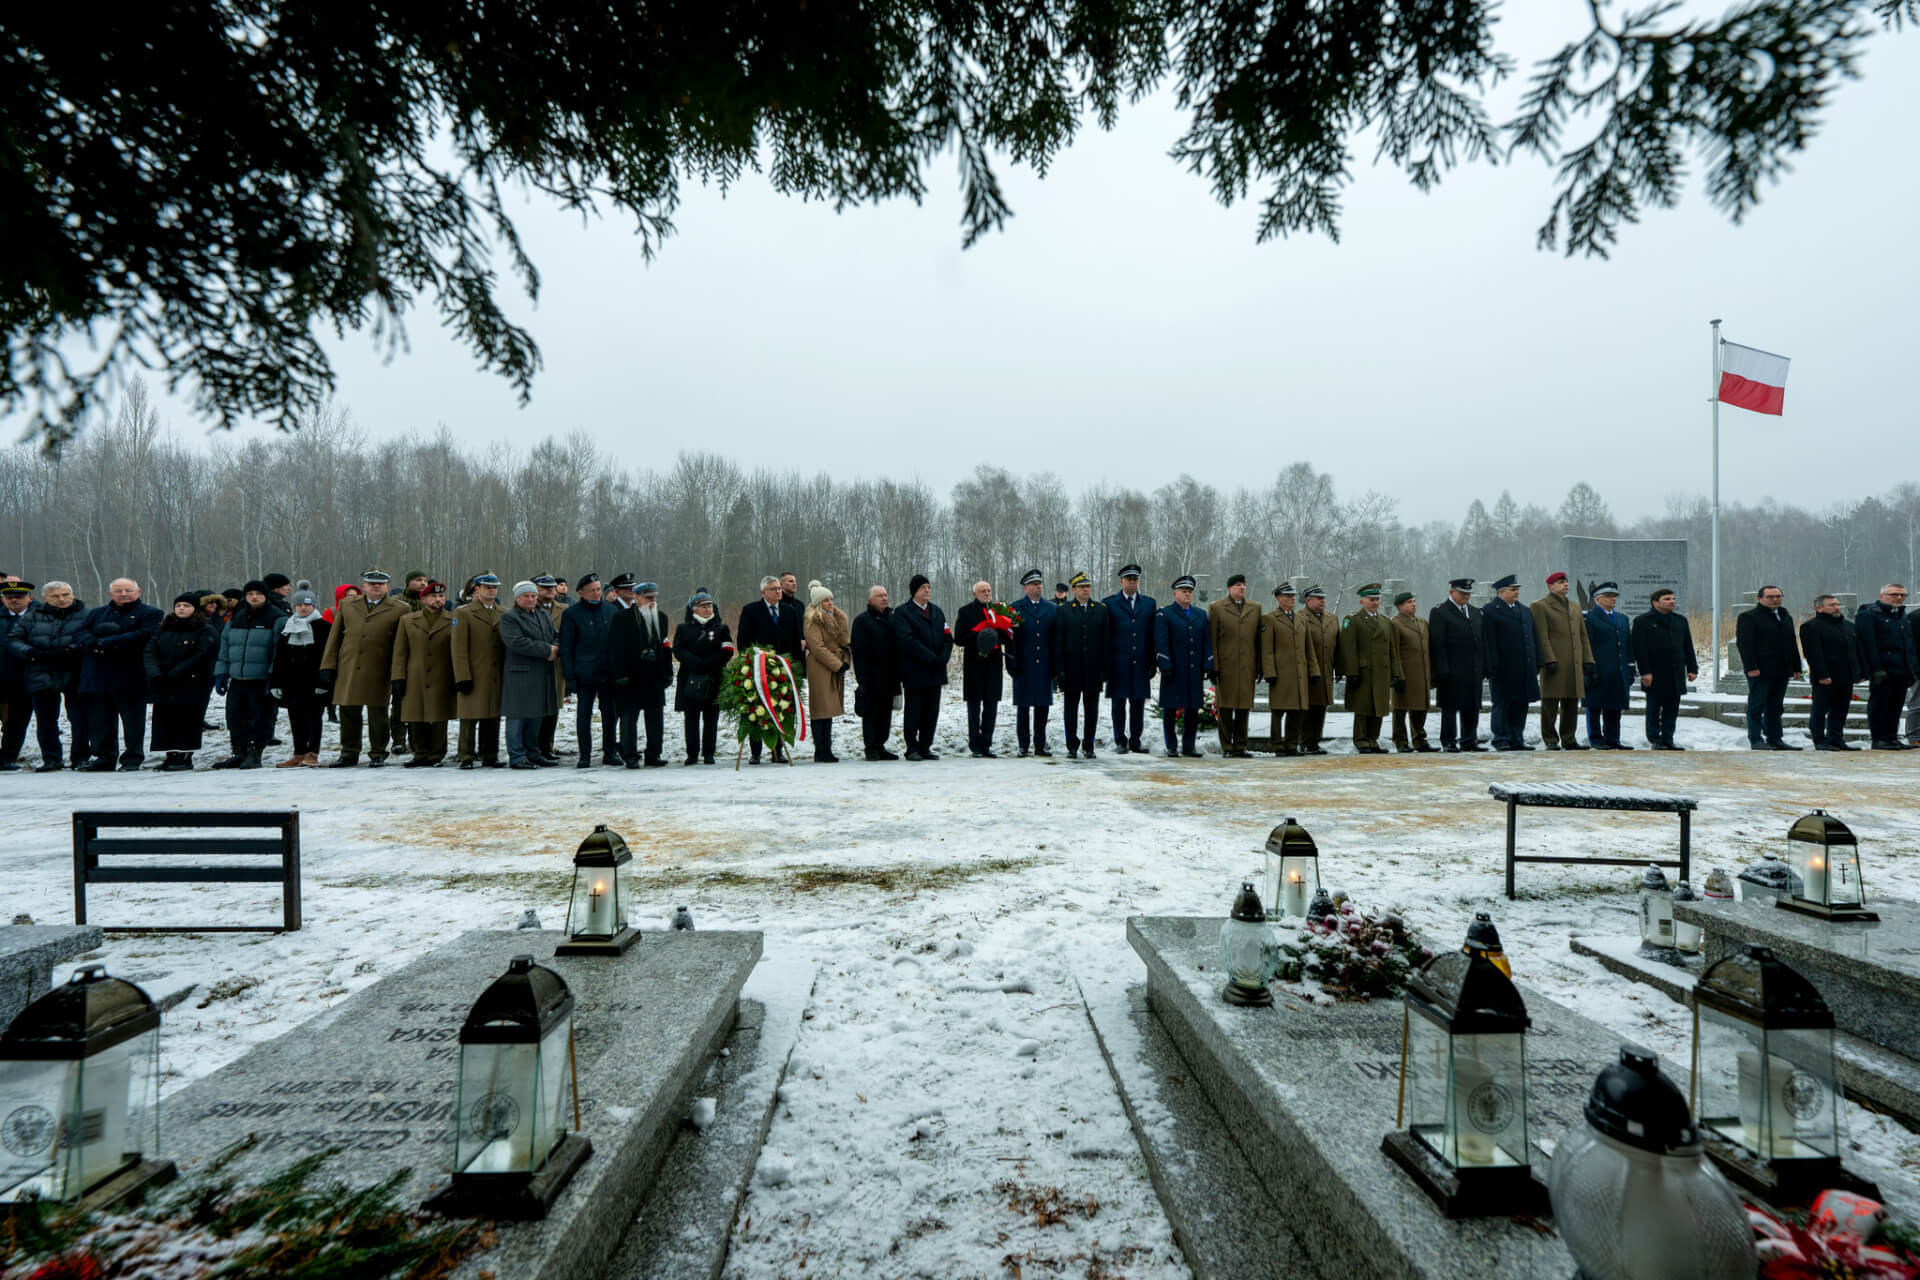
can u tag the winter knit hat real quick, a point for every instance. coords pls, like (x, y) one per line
(524, 588)
(305, 597)
(274, 581)
(252, 586)
(916, 582)
(816, 593)
(416, 573)
(187, 597)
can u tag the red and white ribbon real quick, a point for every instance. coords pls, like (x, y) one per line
(764, 688)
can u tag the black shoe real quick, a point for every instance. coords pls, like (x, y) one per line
(1782, 746)
(1286, 751)
(1073, 753)
(872, 756)
(583, 763)
(1424, 746)
(1451, 748)
(546, 762)
(977, 754)
(274, 742)
(1621, 746)
(1674, 746)
(915, 756)
(1087, 751)
(884, 755)
(1119, 748)
(493, 764)
(1476, 748)
(928, 755)
(377, 762)
(635, 763)
(345, 762)
(1549, 746)
(1043, 753)
(655, 763)
(612, 762)
(251, 760)
(1822, 746)
(523, 764)
(54, 767)
(1022, 753)
(231, 762)
(1192, 755)
(1887, 744)
(1313, 751)
(130, 766)
(102, 765)
(1133, 745)
(1758, 746)
(413, 762)
(469, 764)
(1524, 746)
(1575, 746)
(1840, 746)
(1664, 746)
(1403, 748)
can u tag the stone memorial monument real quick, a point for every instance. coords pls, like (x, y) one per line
(1638, 565)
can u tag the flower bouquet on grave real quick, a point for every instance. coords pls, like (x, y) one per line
(995, 631)
(762, 693)
(1843, 1234)
(1209, 712)
(1353, 955)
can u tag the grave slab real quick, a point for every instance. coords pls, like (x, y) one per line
(1867, 971)
(1308, 1092)
(1226, 1223)
(28, 953)
(375, 1076)
(1868, 1072)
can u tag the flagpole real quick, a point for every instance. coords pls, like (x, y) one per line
(1714, 399)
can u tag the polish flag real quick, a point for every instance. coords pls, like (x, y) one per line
(1752, 379)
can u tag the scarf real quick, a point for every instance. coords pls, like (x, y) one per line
(299, 630)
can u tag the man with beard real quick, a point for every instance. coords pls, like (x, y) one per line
(876, 665)
(1323, 634)
(640, 666)
(1457, 644)
(926, 645)
(1083, 646)
(1233, 632)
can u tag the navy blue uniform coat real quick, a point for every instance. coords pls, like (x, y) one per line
(1130, 649)
(1183, 650)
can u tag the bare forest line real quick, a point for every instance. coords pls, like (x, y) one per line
(325, 502)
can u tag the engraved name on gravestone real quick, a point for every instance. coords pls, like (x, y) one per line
(1639, 565)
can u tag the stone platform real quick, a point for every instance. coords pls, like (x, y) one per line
(376, 1076)
(1308, 1092)
(1867, 971)
(28, 953)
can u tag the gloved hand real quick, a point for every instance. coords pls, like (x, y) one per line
(1590, 671)
(1551, 667)
(463, 686)
(220, 685)
(1399, 685)
(399, 688)
(326, 680)
(276, 695)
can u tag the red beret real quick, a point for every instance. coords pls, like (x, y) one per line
(1556, 577)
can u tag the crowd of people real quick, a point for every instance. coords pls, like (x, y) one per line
(395, 669)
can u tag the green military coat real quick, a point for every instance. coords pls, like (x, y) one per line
(1560, 631)
(1416, 665)
(1367, 659)
(1235, 632)
(1323, 635)
(360, 650)
(1288, 658)
(476, 656)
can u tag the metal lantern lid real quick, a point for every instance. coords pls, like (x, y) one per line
(1247, 905)
(89, 1013)
(1633, 1103)
(1482, 934)
(1757, 986)
(1470, 994)
(519, 1007)
(1821, 827)
(1290, 839)
(603, 848)
(1654, 881)
(1321, 907)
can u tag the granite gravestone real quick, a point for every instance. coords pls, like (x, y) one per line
(1638, 565)
(28, 953)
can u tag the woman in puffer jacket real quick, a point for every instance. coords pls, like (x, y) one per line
(179, 661)
(246, 660)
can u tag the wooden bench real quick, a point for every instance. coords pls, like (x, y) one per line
(1583, 795)
(89, 848)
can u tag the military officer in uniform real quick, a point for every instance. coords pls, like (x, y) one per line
(1367, 658)
(551, 600)
(1323, 635)
(1033, 663)
(1288, 664)
(1459, 653)
(1411, 647)
(1233, 629)
(1130, 660)
(1566, 664)
(356, 664)
(1513, 664)
(1083, 648)
(478, 661)
(1183, 651)
(423, 681)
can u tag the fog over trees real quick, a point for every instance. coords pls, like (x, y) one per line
(326, 502)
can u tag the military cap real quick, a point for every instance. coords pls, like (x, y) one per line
(1511, 580)
(1607, 589)
(486, 580)
(1129, 571)
(1314, 593)
(647, 589)
(585, 580)
(1461, 584)
(1402, 598)
(1059, 586)
(544, 580)
(621, 581)
(1284, 589)
(1235, 579)
(1032, 575)
(374, 575)
(1079, 580)
(1184, 580)
(1371, 589)
(17, 589)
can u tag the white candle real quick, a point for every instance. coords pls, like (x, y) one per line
(1296, 894)
(599, 909)
(1474, 1145)
(1816, 877)
(1768, 1096)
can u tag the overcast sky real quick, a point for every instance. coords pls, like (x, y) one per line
(1125, 328)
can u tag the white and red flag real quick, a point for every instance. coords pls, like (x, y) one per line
(1752, 379)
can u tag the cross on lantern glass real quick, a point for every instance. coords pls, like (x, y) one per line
(1823, 850)
(1293, 870)
(1463, 1089)
(1763, 1077)
(602, 888)
(517, 1093)
(80, 1091)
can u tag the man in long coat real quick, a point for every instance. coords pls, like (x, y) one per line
(1770, 656)
(876, 665)
(358, 665)
(1233, 629)
(1033, 662)
(1411, 649)
(639, 670)
(1663, 652)
(1289, 663)
(552, 601)
(1083, 646)
(1830, 645)
(477, 663)
(1367, 658)
(1130, 661)
(528, 694)
(1183, 651)
(1610, 639)
(1566, 664)
(1323, 635)
(423, 679)
(584, 629)
(777, 623)
(982, 664)
(1513, 664)
(926, 646)
(113, 676)
(1459, 652)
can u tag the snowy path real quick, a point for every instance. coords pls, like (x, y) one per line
(945, 1072)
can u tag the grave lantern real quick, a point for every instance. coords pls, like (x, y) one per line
(1633, 1196)
(1293, 870)
(602, 887)
(1824, 851)
(80, 1093)
(1686, 937)
(1463, 1089)
(1719, 886)
(1321, 907)
(513, 1149)
(1767, 878)
(1656, 915)
(1246, 952)
(1763, 1077)
(1484, 940)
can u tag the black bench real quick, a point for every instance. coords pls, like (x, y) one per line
(89, 848)
(1583, 795)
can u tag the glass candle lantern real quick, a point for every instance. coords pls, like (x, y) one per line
(1656, 914)
(80, 1093)
(602, 888)
(1484, 940)
(1767, 878)
(1293, 870)
(1463, 1089)
(1686, 937)
(1822, 849)
(516, 1105)
(1763, 1077)
(1719, 886)
(1632, 1194)
(1247, 950)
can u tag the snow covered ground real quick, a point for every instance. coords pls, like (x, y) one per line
(946, 1110)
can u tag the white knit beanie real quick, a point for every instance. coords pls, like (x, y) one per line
(816, 593)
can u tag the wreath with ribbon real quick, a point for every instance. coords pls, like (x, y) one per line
(765, 697)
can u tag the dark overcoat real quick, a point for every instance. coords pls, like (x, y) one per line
(876, 661)
(782, 634)
(1831, 649)
(1081, 639)
(1886, 641)
(1033, 659)
(639, 663)
(1183, 650)
(925, 645)
(982, 654)
(1459, 652)
(527, 688)
(47, 644)
(116, 649)
(1766, 641)
(1513, 656)
(1663, 649)
(179, 662)
(702, 649)
(1130, 645)
(1611, 635)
